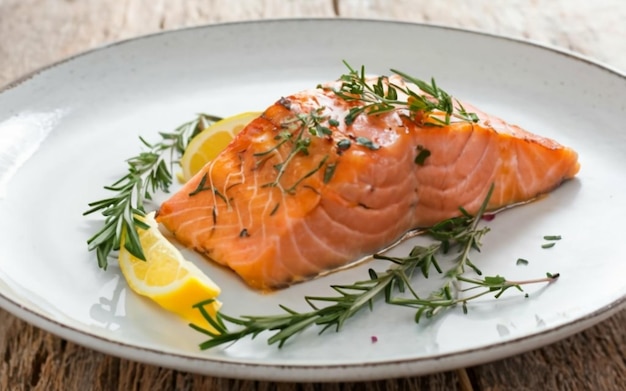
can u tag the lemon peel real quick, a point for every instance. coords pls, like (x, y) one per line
(206, 145)
(166, 277)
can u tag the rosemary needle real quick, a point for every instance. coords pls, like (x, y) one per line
(147, 173)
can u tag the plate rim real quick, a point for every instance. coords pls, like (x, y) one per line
(305, 372)
(345, 372)
(534, 43)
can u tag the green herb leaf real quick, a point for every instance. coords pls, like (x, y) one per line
(422, 155)
(343, 144)
(329, 172)
(367, 143)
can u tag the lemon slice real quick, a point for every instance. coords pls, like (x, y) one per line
(166, 277)
(205, 146)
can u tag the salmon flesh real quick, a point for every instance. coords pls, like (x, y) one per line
(313, 184)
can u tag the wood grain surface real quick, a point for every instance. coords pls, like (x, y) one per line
(34, 33)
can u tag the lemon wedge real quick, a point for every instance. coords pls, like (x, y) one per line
(166, 277)
(205, 146)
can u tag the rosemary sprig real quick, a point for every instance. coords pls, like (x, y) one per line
(460, 233)
(382, 96)
(147, 173)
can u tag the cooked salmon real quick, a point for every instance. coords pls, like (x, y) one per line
(300, 192)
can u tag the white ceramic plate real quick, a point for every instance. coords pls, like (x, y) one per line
(66, 130)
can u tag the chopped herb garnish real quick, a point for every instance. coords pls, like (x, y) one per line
(422, 154)
(329, 172)
(548, 245)
(275, 209)
(552, 237)
(367, 143)
(343, 144)
(521, 261)
(320, 131)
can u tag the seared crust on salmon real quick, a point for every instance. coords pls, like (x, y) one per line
(299, 192)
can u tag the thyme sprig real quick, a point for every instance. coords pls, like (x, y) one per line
(148, 172)
(299, 131)
(382, 96)
(460, 234)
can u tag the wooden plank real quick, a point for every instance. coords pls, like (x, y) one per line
(38, 33)
(33, 359)
(592, 360)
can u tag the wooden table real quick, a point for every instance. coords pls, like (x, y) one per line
(34, 33)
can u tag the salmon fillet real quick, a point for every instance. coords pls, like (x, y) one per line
(299, 192)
